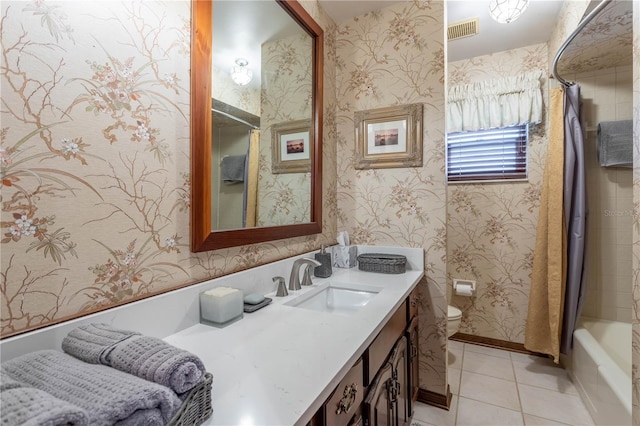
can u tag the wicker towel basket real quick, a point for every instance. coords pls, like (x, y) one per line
(383, 263)
(196, 408)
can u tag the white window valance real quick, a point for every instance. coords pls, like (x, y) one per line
(499, 102)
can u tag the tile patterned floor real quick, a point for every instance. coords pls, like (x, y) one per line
(493, 387)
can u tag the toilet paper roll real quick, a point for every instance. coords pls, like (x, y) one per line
(464, 290)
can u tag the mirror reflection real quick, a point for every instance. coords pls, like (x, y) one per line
(261, 117)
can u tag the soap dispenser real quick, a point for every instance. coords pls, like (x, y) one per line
(324, 270)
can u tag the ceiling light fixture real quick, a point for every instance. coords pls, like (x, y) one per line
(506, 11)
(240, 74)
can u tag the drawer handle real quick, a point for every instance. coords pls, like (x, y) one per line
(393, 388)
(348, 398)
(415, 301)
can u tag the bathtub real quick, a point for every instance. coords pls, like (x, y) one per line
(600, 366)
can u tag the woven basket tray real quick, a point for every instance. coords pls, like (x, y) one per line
(383, 263)
(196, 408)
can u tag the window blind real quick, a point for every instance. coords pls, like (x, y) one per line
(492, 154)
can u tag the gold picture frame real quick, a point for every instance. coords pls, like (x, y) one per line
(389, 137)
(291, 144)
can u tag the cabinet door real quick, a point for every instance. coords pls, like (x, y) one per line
(413, 365)
(379, 406)
(400, 388)
(382, 346)
(413, 303)
(357, 421)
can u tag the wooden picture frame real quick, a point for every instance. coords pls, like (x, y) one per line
(291, 144)
(389, 137)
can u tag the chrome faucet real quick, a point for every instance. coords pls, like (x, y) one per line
(294, 279)
(282, 289)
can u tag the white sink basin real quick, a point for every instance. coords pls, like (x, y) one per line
(335, 297)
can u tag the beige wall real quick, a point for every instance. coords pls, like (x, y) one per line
(95, 205)
(491, 227)
(569, 17)
(283, 198)
(395, 56)
(635, 313)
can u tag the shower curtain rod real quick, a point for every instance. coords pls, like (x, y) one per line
(573, 35)
(233, 117)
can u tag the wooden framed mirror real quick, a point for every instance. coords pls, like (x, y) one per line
(204, 199)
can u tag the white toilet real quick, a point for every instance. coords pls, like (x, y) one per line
(454, 316)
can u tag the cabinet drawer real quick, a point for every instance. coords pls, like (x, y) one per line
(388, 336)
(347, 398)
(413, 302)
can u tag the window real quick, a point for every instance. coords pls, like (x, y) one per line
(493, 154)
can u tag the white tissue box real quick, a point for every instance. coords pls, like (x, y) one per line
(221, 306)
(344, 256)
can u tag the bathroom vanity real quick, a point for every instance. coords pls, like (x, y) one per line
(287, 364)
(382, 386)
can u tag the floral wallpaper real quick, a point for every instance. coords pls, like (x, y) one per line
(635, 343)
(604, 43)
(491, 227)
(284, 198)
(395, 56)
(569, 17)
(94, 157)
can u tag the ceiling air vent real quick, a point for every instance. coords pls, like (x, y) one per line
(466, 28)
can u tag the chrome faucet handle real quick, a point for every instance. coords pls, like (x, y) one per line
(306, 277)
(282, 287)
(294, 279)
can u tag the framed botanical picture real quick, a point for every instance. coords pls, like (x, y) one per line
(389, 137)
(291, 145)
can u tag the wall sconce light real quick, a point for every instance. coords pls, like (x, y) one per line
(506, 11)
(240, 74)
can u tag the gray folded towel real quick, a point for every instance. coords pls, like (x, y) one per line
(155, 360)
(614, 143)
(147, 357)
(233, 168)
(107, 395)
(7, 382)
(92, 343)
(34, 407)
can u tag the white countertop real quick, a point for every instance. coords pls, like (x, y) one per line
(278, 365)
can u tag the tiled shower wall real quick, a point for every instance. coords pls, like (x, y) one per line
(607, 96)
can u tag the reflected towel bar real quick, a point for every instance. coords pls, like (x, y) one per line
(233, 117)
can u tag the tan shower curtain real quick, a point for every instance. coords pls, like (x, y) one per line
(252, 179)
(546, 297)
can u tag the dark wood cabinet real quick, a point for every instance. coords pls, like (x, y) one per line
(400, 362)
(413, 367)
(381, 347)
(413, 302)
(378, 406)
(382, 387)
(387, 401)
(344, 404)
